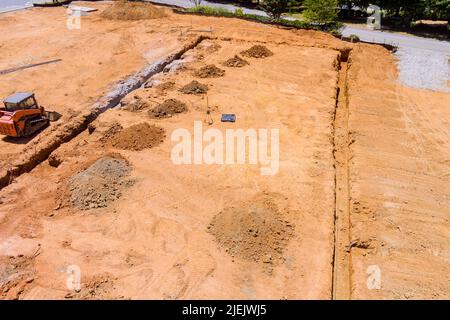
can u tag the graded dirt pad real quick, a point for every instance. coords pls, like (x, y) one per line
(256, 230)
(399, 181)
(129, 10)
(257, 51)
(209, 71)
(153, 241)
(138, 137)
(236, 62)
(100, 184)
(167, 109)
(194, 87)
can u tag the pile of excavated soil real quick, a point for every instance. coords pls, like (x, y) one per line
(100, 184)
(210, 47)
(168, 85)
(134, 105)
(167, 109)
(194, 87)
(256, 231)
(112, 131)
(235, 62)
(125, 10)
(138, 137)
(209, 71)
(257, 51)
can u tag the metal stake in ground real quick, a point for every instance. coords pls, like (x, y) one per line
(209, 120)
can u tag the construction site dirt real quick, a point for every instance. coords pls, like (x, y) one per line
(362, 184)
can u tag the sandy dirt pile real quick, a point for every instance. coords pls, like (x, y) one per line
(115, 128)
(210, 71)
(127, 10)
(100, 184)
(167, 109)
(194, 87)
(164, 86)
(136, 104)
(138, 137)
(236, 62)
(257, 51)
(254, 230)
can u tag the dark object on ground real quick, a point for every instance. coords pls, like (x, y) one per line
(6, 71)
(228, 118)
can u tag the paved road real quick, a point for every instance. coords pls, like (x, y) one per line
(189, 4)
(398, 39)
(12, 5)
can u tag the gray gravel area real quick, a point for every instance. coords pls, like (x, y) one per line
(424, 69)
(422, 63)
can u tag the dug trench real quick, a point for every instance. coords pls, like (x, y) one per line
(341, 284)
(35, 154)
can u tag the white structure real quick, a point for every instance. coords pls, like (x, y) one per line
(374, 21)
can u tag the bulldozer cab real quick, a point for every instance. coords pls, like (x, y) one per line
(20, 101)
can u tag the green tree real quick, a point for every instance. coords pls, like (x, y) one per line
(321, 11)
(274, 8)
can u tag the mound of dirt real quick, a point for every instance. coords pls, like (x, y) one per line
(209, 71)
(194, 87)
(167, 109)
(168, 85)
(235, 62)
(257, 51)
(138, 137)
(125, 10)
(136, 104)
(112, 131)
(255, 230)
(100, 184)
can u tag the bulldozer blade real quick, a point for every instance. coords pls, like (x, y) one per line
(53, 115)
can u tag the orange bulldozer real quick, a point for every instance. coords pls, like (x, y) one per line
(21, 115)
